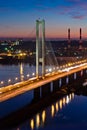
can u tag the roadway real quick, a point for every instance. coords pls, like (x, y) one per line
(24, 86)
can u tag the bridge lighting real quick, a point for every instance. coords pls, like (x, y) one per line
(9, 80)
(0, 91)
(69, 64)
(46, 70)
(2, 82)
(50, 69)
(16, 78)
(57, 67)
(33, 74)
(54, 68)
(67, 69)
(28, 75)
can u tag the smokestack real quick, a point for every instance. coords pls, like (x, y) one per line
(69, 37)
(80, 34)
(80, 39)
(69, 34)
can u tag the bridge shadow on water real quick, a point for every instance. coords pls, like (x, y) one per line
(45, 96)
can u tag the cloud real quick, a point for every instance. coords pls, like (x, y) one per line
(76, 1)
(80, 17)
(76, 9)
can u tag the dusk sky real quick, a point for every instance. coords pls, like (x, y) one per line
(18, 17)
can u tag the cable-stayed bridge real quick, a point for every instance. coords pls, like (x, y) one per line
(48, 67)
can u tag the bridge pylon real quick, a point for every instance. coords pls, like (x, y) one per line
(40, 47)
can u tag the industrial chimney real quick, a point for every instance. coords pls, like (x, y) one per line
(69, 41)
(80, 39)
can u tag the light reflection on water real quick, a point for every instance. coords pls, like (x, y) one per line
(67, 113)
(42, 118)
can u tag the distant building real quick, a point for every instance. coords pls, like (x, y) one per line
(16, 42)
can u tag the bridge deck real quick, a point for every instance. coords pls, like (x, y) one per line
(35, 84)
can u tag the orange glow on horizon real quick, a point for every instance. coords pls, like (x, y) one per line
(50, 33)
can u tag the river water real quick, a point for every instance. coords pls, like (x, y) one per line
(19, 72)
(68, 113)
(65, 112)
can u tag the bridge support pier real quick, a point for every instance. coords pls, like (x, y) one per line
(37, 94)
(45, 90)
(55, 85)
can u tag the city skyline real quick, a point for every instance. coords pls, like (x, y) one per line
(18, 18)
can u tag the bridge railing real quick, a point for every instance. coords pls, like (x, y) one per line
(50, 71)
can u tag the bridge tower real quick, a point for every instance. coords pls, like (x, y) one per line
(40, 47)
